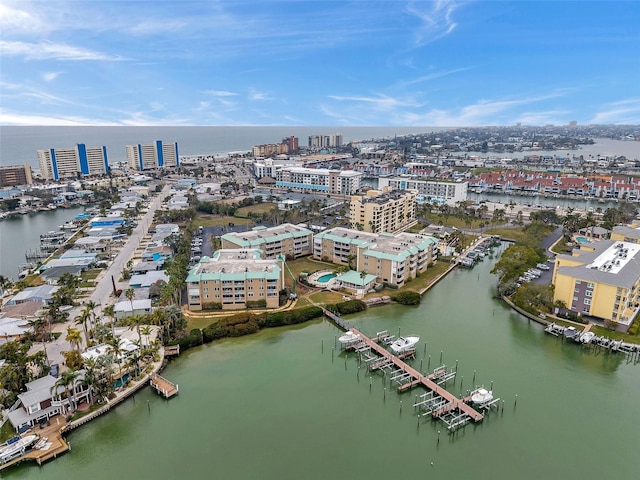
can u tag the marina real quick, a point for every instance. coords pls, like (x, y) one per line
(235, 393)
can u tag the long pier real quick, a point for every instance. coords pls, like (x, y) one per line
(415, 378)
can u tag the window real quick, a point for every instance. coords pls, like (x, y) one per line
(589, 293)
(587, 301)
(589, 285)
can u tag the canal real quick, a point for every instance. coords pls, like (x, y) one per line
(21, 234)
(279, 405)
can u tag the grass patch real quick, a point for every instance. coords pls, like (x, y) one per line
(460, 222)
(206, 220)
(90, 274)
(307, 264)
(243, 212)
(327, 297)
(598, 330)
(202, 322)
(510, 233)
(416, 284)
(7, 431)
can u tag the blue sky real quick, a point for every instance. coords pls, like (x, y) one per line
(304, 62)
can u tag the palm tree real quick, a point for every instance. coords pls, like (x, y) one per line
(116, 351)
(130, 294)
(73, 337)
(82, 320)
(110, 311)
(91, 306)
(66, 379)
(5, 284)
(136, 321)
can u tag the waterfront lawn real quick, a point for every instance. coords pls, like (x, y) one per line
(326, 297)
(6, 432)
(460, 222)
(598, 330)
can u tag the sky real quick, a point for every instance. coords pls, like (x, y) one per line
(353, 63)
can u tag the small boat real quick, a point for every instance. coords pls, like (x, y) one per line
(587, 337)
(348, 338)
(481, 396)
(68, 226)
(15, 447)
(404, 344)
(571, 332)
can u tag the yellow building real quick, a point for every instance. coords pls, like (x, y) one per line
(233, 279)
(287, 239)
(383, 210)
(626, 233)
(601, 280)
(391, 258)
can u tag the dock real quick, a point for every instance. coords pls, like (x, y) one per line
(170, 350)
(51, 441)
(163, 386)
(409, 377)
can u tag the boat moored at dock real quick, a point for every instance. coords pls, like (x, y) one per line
(404, 344)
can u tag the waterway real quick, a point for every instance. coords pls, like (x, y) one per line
(21, 234)
(276, 406)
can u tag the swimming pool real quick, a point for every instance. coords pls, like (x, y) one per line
(326, 277)
(582, 239)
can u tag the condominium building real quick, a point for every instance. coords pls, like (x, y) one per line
(601, 279)
(153, 155)
(290, 241)
(323, 141)
(269, 167)
(13, 175)
(345, 182)
(393, 259)
(627, 233)
(232, 279)
(429, 191)
(59, 163)
(383, 210)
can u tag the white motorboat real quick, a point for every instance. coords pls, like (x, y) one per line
(571, 332)
(404, 344)
(13, 449)
(348, 338)
(482, 396)
(68, 226)
(587, 337)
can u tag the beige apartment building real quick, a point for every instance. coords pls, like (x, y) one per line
(391, 258)
(288, 240)
(233, 279)
(627, 233)
(383, 210)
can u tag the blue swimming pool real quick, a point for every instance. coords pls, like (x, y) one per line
(326, 277)
(582, 239)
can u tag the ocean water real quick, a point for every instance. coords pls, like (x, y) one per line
(18, 145)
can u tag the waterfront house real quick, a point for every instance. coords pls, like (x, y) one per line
(43, 400)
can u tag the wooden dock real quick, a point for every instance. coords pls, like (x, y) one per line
(170, 350)
(163, 386)
(56, 445)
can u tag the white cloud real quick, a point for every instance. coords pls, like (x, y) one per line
(432, 76)
(257, 96)
(50, 76)
(623, 112)
(49, 50)
(379, 102)
(436, 17)
(219, 93)
(10, 118)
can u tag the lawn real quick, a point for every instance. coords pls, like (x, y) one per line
(458, 222)
(218, 220)
(326, 297)
(257, 208)
(306, 264)
(90, 274)
(615, 335)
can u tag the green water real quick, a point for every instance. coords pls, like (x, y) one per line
(274, 406)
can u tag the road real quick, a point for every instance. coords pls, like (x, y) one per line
(104, 287)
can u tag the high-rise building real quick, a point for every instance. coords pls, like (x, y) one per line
(13, 175)
(153, 155)
(323, 141)
(60, 163)
(383, 210)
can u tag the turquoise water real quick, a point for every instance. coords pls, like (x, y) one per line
(582, 239)
(326, 278)
(284, 404)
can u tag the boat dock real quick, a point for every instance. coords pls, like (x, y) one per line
(50, 444)
(632, 349)
(437, 402)
(408, 377)
(163, 386)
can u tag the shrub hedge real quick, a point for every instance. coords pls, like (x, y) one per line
(407, 298)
